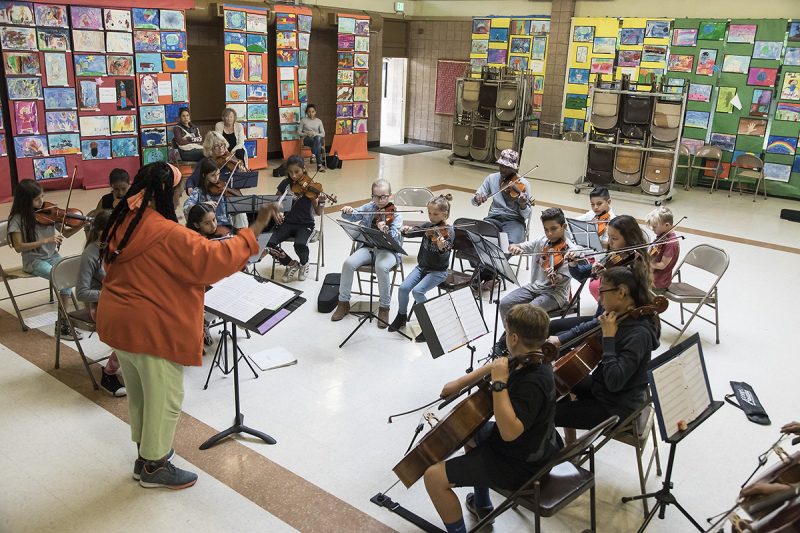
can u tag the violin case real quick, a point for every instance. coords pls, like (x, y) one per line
(506, 103)
(461, 139)
(329, 293)
(503, 139)
(469, 95)
(480, 142)
(657, 173)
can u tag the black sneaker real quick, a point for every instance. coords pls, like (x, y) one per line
(398, 322)
(112, 385)
(66, 334)
(478, 512)
(139, 464)
(165, 475)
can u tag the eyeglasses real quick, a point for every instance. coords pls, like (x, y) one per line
(217, 146)
(601, 291)
(381, 197)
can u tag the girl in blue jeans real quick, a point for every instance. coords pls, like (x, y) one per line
(38, 243)
(433, 259)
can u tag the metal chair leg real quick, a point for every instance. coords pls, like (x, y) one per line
(14, 303)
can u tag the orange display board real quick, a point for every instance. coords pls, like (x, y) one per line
(352, 86)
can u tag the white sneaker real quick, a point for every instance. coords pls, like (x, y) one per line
(302, 272)
(291, 270)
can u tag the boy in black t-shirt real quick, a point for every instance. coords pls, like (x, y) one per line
(506, 453)
(297, 223)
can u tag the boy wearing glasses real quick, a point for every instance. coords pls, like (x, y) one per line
(367, 215)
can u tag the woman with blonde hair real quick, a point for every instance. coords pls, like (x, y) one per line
(233, 133)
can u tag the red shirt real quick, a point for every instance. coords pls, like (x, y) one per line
(663, 277)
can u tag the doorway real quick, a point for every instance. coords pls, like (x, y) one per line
(393, 101)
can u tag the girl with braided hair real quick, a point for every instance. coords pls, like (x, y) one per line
(152, 263)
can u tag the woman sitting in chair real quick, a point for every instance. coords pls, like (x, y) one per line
(216, 147)
(313, 133)
(187, 137)
(233, 133)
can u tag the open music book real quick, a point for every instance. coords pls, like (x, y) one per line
(680, 387)
(241, 297)
(450, 321)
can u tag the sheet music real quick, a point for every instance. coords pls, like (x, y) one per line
(681, 388)
(444, 320)
(241, 296)
(467, 310)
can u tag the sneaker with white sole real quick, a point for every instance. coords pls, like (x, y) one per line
(302, 272)
(139, 464)
(291, 269)
(66, 333)
(165, 475)
(112, 385)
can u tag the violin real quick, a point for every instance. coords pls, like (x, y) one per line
(217, 188)
(221, 233)
(306, 186)
(552, 258)
(50, 214)
(388, 214)
(228, 161)
(601, 226)
(516, 188)
(579, 362)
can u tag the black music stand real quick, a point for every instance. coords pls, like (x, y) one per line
(251, 203)
(221, 355)
(373, 239)
(585, 234)
(672, 395)
(260, 323)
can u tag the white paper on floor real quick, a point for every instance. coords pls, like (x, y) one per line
(40, 321)
(273, 358)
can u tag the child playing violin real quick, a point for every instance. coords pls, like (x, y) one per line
(37, 243)
(433, 259)
(600, 201)
(508, 452)
(120, 182)
(508, 214)
(209, 177)
(88, 287)
(298, 223)
(663, 257)
(202, 218)
(375, 214)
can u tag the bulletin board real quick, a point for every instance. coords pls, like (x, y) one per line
(448, 71)
(5, 168)
(246, 66)
(352, 87)
(292, 36)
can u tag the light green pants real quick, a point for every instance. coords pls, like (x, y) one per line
(155, 395)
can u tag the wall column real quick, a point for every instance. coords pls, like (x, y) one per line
(554, 82)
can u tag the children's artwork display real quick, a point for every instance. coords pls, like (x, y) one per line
(351, 63)
(245, 40)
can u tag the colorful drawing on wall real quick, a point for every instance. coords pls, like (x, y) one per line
(583, 34)
(257, 130)
(361, 61)
(657, 29)
(742, 33)
(360, 94)
(27, 117)
(119, 43)
(303, 23)
(481, 46)
(90, 65)
(779, 144)
(61, 121)
(235, 20)
(711, 31)
(791, 86)
(56, 69)
(767, 50)
(684, 37)
(17, 38)
(725, 97)
(22, 63)
(519, 27)
(696, 119)
(764, 77)
(180, 88)
(787, 111)
(256, 43)
(24, 88)
(302, 58)
(362, 27)
(794, 32)
(344, 93)
(173, 111)
(257, 91)
(152, 115)
(94, 126)
(344, 110)
(752, 126)
(88, 41)
(146, 18)
(86, 18)
(518, 63)
(56, 98)
(96, 149)
(520, 45)
(699, 92)
(631, 36)
(604, 45)
(573, 124)
(288, 58)
(680, 63)
(259, 112)
(480, 26)
(235, 41)
(172, 20)
(117, 19)
(602, 65)
(19, 13)
(255, 68)
(654, 54)
(777, 172)
(147, 41)
(119, 65)
(148, 88)
(360, 110)
(53, 39)
(64, 143)
(287, 91)
(706, 61)
(236, 64)
(154, 136)
(344, 77)
(52, 16)
(497, 55)
(126, 94)
(724, 141)
(578, 75)
(285, 21)
(362, 44)
(581, 54)
(148, 62)
(629, 58)
(173, 41)
(344, 126)
(762, 98)
(792, 56)
(124, 147)
(736, 64)
(538, 48)
(33, 146)
(258, 23)
(49, 168)
(288, 39)
(289, 115)
(154, 155)
(575, 101)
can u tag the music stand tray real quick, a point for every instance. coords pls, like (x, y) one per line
(251, 203)
(260, 322)
(244, 180)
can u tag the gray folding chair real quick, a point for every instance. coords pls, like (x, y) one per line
(413, 197)
(749, 167)
(317, 236)
(711, 157)
(708, 259)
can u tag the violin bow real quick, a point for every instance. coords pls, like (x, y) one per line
(69, 197)
(228, 182)
(420, 229)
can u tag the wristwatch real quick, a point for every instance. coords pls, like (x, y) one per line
(497, 386)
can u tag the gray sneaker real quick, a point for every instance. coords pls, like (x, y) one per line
(166, 475)
(139, 464)
(302, 272)
(291, 269)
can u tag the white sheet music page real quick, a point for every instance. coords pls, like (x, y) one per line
(681, 387)
(445, 322)
(469, 313)
(241, 296)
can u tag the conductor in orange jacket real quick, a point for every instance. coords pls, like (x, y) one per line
(151, 309)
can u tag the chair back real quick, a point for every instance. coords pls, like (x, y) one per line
(749, 161)
(4, 240)
(413, 196)
(573, 136)
(683, 151)
(709, 151)
(708, 258)
(582, 443)
(65, 273)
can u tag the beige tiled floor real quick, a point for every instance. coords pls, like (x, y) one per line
(66, 459)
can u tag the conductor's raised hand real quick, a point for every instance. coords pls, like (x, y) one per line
(265, 215)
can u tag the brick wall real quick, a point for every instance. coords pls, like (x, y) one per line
(558, 45)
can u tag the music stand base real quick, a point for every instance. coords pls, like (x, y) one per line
(237, 427)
